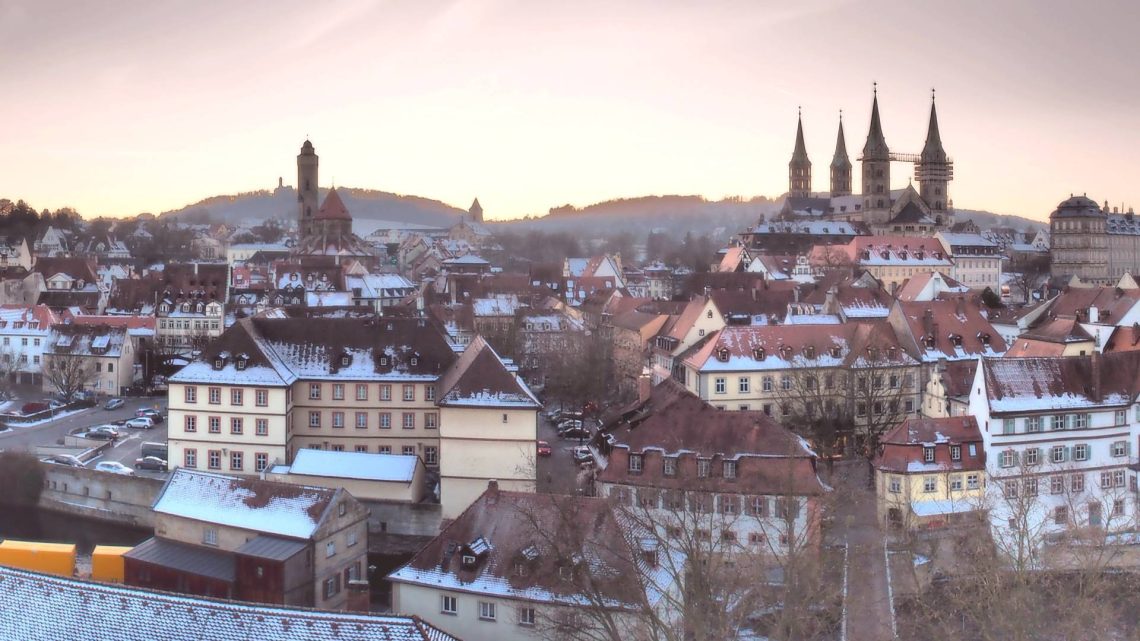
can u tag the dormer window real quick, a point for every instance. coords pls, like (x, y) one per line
(219, 363)
(809, 351)
(415, 361)
(241, 363)
(164, 308)
(758, 353)
(345, 360)
(722, 355)
(928, 454)
(835, 352)
(383, 361)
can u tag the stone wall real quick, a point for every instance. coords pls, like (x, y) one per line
(100, 495)
(401, 528)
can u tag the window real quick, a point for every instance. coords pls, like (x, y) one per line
(1008, 426)
(215, 459)
(1081, 421)
(956, 483)
(409, 450)
(429, 392)
(350, 538)
(261, 397)
(766, 383)
(728, 504)
(860, 409)
(1056, 485)
(236, 461)
(928, 454)
(314, 419)
(670, 466)
(385, 392)
(338, 419)
(1057, 422)
(1121, 417)
(703, 465)
(757, 506)
(635, 462)
(409, 392)
(215, 395)
(431, 420)
(894, 485)
(448, 605)
(744, 384)
(1061, 515)
(330, 549)
(1033, 424)
(361, 420)
(260, 461)
(314, 391)
(1118, 507)
(190, 458)
(385, 420)
(1118, 477)
(1032, 456)
(1077, 483)
(1030, 487)
(191, 423)
(409, 420)
(730, 469)
(262, 427)
(385, 449)
(332, 586)
(235, 396)
(486, 611)
(235, 425)
(786, 382)
(955, 452)
(1010, 489)
(1008, 458)
(191, 394)
(721, 385)
(215, 423)
(361, 392)
(360, 448)
(526, 616)
(1105, 480)
(1120, 448)
(929, 484)
(431, 455)
(210, 535)
(338, 391)
(1081, 452)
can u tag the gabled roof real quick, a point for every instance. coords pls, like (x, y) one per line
(1070, 382)
(76, 267)
(86, 340)
(782, 347)
(903, 446)
(40, 606)
(479, 378)
(284, 509)
(354, 465)
(1112, 303)
(950, 329)
(333, 208)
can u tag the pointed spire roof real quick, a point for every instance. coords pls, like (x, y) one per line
(476, 207)
(840, 160)
(933, 151)
(800, 153)
(876, 147)
(333, 208)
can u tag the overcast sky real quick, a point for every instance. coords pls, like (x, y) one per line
(117, 107)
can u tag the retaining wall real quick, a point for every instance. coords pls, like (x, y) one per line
(100, 495)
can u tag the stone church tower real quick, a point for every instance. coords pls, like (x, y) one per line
(799, 169)
(307, 194)
(840, 165)
(934, 171)
(876, 170)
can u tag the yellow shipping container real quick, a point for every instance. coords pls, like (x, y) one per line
(52, 558)
(107, 563)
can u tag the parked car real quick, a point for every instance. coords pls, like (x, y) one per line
(64, 459)
(582, 454)
(102, 433)
(544, 449)
(574, 432)
(33, 408)
(154, 415)
(152, 463)
(140, 422)
(114, 467)
(114, 404)
(54, 403)
(569, 423)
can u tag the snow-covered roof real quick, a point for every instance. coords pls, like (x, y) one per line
(354, 465)
(261, 506)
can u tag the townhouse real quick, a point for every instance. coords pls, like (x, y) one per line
(930, 473)
(977, 261)
(23, 336)
(1059, 435)
(95, 358)
(699, 319)
(891, 259)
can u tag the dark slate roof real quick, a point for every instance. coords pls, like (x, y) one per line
(1077, 206)
(38, 607)
(271, 547)
(192, 559)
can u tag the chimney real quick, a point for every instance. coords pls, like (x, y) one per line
(1094, 314)
(796, 294)
(829, 300)
(928, 321)
(644, 386)
(358, 596)
(960, 306)
(1094, 362)
(493, 487)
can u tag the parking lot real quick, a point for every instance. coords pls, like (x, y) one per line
(558, 473)
(125, 449)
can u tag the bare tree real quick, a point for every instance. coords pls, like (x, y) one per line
(9, 365)
(68, 373)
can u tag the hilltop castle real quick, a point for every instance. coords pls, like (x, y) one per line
(883, 211)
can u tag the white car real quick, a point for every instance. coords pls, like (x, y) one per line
(140, 422)
(114, 467)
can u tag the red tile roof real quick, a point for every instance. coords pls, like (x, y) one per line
(903, 447)
(333, 208)
(952, 329)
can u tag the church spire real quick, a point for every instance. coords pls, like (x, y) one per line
(799, 169)
(933, 151)
(876, 146)
(840, 164)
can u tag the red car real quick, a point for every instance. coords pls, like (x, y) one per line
(544, 448)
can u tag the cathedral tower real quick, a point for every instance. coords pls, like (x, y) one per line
(840, 165)
(934, 171)
(307, 194)
(876, 170)
(799, 169)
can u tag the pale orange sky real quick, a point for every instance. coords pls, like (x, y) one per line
(120, 107)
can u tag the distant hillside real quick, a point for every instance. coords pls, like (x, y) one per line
(368, 207)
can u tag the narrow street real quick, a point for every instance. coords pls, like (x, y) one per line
(869, 615)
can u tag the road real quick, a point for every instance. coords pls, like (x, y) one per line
(125, 450)
(557, 473)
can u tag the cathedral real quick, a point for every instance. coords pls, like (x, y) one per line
(324, 231)
(908, 211)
